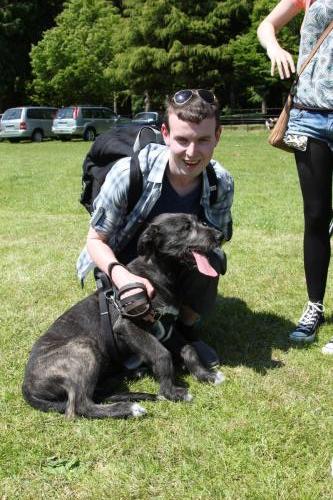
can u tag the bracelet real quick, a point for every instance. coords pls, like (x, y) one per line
(112, 265)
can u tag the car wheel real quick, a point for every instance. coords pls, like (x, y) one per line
(37, 136)
(89, 134)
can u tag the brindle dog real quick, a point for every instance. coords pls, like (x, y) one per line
(70, 370)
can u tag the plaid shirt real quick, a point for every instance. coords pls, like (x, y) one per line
(110, 216)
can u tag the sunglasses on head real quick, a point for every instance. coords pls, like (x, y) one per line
(183, 96)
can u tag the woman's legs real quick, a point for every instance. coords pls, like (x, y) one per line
(315, 175)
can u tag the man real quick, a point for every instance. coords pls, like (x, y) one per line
(174, 180)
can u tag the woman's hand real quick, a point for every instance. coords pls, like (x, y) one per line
(280, 16)
(281, 59)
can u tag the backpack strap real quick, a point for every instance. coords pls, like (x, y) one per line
(136, 184)
(145, 136)
(212, 179)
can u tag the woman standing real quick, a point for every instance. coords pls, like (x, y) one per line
(310, 132)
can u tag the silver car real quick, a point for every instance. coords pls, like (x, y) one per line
(83, 121)
(27, 122)
(152, 118)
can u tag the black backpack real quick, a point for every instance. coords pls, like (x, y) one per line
(123, 140)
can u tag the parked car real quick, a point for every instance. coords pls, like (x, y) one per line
(83, 121)
(27, 122)
(151, 118)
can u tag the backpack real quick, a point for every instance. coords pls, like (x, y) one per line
(123, 140)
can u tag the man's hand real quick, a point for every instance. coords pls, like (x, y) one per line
(120, 276)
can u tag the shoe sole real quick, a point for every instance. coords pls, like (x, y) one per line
(303, 340)
(306, 340)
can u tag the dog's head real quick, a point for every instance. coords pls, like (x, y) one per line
(181, 237)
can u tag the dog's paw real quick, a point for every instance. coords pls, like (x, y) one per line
(219, 378)
(181, 394)
(137, 410)
(188, 397)
(177, 394)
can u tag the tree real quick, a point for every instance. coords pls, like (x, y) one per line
(251, 65)
(170, 44)
(71, 63)
(21, 24)
(148, 48)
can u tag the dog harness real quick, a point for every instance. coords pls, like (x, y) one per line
(134, 307)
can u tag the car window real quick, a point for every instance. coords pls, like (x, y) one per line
(107, 113)
(98, 113)
(12, 114)
(49, 113)
(87, 113)
(65, 113)
(146, 116)
(35, 113)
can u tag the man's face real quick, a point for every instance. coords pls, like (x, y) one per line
(191, 144)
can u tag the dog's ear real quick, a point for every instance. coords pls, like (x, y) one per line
(148, 241)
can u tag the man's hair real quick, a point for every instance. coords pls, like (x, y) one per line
(195, 110)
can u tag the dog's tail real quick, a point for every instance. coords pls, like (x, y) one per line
(43, 404)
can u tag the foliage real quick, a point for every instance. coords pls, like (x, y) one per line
(250, 63)
(70, 63)
(143, 49)
(21, 24)
(183, 41)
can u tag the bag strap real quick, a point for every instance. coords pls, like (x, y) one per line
(136, 184)
(212, 179)
(320, 40)
(145, 136)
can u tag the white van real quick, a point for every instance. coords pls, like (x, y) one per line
(27, 122)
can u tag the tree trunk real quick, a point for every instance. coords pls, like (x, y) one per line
(263, 106)
(147, 100)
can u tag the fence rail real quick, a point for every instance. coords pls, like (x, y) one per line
(249, 118)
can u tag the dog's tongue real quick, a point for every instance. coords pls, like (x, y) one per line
(203, 265)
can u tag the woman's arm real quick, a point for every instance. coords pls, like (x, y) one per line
(284, 11)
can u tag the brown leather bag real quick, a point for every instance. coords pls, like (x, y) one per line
(277, 134)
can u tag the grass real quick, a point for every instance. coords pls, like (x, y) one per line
(266, 433)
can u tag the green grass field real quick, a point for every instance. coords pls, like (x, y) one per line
(266, 433)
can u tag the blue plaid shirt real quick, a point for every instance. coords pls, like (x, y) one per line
(110, 216)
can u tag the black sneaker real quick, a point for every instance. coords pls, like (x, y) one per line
(309, 323)
(208, 356)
